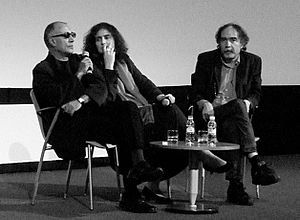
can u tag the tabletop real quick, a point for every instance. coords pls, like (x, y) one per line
(182, 145)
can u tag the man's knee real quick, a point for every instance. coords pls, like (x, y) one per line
(130, 109)
(130, 105)
(239, 106)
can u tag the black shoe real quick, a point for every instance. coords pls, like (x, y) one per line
(158, 198)
(263, 175)
(221, 169)
(236, 194)
(137, 205)
(143, 172)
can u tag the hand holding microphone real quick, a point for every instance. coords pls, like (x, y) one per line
(86, 54)
(85, 66)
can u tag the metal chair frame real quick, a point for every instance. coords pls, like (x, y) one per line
(90, 149)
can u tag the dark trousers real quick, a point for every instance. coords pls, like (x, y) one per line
(119, 123)
(234, 126)
(116, 123)
(171, 161)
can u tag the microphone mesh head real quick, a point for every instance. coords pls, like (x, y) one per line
(86, 54)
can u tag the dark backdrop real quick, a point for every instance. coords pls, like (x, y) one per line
(276, 121)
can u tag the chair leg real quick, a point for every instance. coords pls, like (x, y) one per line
(202, 181)
(257, 191)
(244, 168)
(169, 188)
(117, 164)
(90, 177)
(87, 172)
(69, 172)
(38, 174)
(86, 183)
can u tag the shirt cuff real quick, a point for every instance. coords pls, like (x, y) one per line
(248, 104)
(84, 99)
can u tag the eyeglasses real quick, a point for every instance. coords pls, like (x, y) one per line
(65, 35)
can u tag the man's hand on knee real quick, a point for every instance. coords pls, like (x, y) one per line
(207, 110)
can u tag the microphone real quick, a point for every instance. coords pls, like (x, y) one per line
(87, 54)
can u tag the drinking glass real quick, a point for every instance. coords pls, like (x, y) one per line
(202, 137)
(172, 136)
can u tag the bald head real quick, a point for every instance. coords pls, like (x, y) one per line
(51, 28)
(59, 40)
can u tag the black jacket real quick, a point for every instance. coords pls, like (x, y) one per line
(248, 77)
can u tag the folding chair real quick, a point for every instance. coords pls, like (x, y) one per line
(90, 149)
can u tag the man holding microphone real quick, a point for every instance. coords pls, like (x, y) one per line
(64, 79)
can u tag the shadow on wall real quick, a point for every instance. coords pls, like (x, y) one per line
(18, 152)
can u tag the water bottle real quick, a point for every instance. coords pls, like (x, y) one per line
(212, 131)
(190, 130)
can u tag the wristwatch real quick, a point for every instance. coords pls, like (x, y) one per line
(81, 100)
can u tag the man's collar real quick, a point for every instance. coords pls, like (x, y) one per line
(234, 63)
(59, 56)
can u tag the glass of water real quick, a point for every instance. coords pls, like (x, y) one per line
(172, 136)
(202, 137)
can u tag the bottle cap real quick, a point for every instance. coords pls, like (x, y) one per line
(211, 117)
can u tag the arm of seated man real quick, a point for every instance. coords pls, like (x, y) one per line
(74, 105)
(206, 107)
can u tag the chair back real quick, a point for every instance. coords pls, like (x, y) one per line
(37, 110)
(39, 116)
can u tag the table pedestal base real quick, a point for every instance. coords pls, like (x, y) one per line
(192, 209)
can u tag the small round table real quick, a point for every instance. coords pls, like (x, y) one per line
(194, 164)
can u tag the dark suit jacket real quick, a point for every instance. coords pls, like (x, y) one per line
(248, 77)
(54, 84)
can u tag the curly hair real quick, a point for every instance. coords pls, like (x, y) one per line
(242, 34)
(89, 43)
